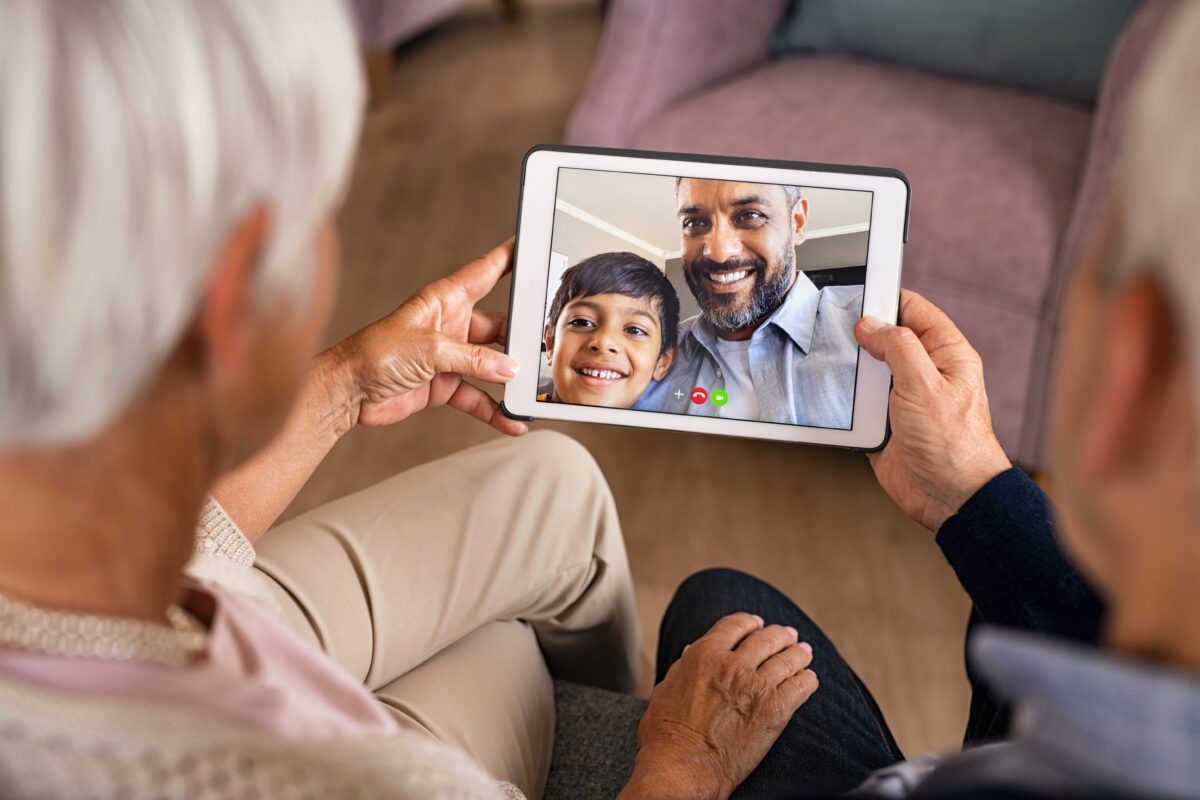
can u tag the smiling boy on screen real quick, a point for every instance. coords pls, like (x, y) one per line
(611, 329)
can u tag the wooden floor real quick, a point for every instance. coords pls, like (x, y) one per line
(435, 185)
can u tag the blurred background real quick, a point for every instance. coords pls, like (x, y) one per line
(1002, 116)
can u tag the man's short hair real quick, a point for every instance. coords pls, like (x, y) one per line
(620, 273)
(792, 193)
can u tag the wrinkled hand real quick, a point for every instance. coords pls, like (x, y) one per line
(943, 448)
(719, 709)
(419, 355)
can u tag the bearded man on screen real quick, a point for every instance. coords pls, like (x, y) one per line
(767, 344)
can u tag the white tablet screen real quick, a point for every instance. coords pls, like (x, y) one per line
(705, 297)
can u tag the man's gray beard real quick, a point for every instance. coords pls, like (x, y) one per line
(767, 295)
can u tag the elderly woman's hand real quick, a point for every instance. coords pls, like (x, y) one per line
(719, 709)
(415, 357)
(419, 355)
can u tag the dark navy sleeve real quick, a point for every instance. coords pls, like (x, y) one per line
(1003, 548)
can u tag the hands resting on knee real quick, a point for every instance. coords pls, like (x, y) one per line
(719, 709)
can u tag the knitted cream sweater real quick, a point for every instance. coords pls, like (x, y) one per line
(55, 744)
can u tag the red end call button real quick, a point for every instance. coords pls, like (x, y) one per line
(699, 395)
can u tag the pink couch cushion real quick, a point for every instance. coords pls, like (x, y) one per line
(994, 173)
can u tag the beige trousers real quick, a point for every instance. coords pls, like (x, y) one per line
(454, 591)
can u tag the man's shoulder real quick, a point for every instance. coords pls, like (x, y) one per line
(686, 339)
(685, 327)
(842, 297)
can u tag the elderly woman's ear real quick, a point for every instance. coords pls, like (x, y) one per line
(228, 318)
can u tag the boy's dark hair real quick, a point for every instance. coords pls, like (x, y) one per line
(620, 273)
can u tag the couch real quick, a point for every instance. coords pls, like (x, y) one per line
(595, 742)
(383, 24)
(1008, 185)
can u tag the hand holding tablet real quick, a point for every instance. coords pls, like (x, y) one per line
(710, 295)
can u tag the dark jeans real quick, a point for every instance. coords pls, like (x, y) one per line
(839, 736)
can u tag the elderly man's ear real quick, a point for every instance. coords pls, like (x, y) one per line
(800, 219)
(1143, 411)
(227, 324)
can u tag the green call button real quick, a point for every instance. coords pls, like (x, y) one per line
(720, 397)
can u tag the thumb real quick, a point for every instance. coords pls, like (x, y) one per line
(900, 349)
(473, 361)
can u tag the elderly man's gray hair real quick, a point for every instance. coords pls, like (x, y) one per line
(1160, 174)
(134, 135)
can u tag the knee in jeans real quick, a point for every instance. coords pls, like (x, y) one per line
(714, 580)
(715, 592)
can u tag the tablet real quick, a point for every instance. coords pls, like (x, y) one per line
(704, 294)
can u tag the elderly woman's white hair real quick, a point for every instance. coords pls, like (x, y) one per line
(1160, 175)
(133, 137)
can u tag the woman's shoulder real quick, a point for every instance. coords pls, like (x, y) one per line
(54, 743)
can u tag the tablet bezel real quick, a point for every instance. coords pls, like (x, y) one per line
(531, 265)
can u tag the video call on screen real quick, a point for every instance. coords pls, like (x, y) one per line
(707, 297)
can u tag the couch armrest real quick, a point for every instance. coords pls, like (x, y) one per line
(655, 52)
(1093, 194)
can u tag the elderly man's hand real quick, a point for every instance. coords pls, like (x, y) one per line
(943, 448)
(719, 709)
(420, 354)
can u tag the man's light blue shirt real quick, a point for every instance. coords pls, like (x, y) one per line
(1088, 723)
(803, 361)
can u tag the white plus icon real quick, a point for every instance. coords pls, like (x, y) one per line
(678, 394)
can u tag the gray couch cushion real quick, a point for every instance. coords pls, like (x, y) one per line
(595, 741)
(1058, 47)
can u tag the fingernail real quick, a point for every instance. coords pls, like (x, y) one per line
(507, 366)
(806, 646)
(872, 324)
(795, 633)
(757, 618)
